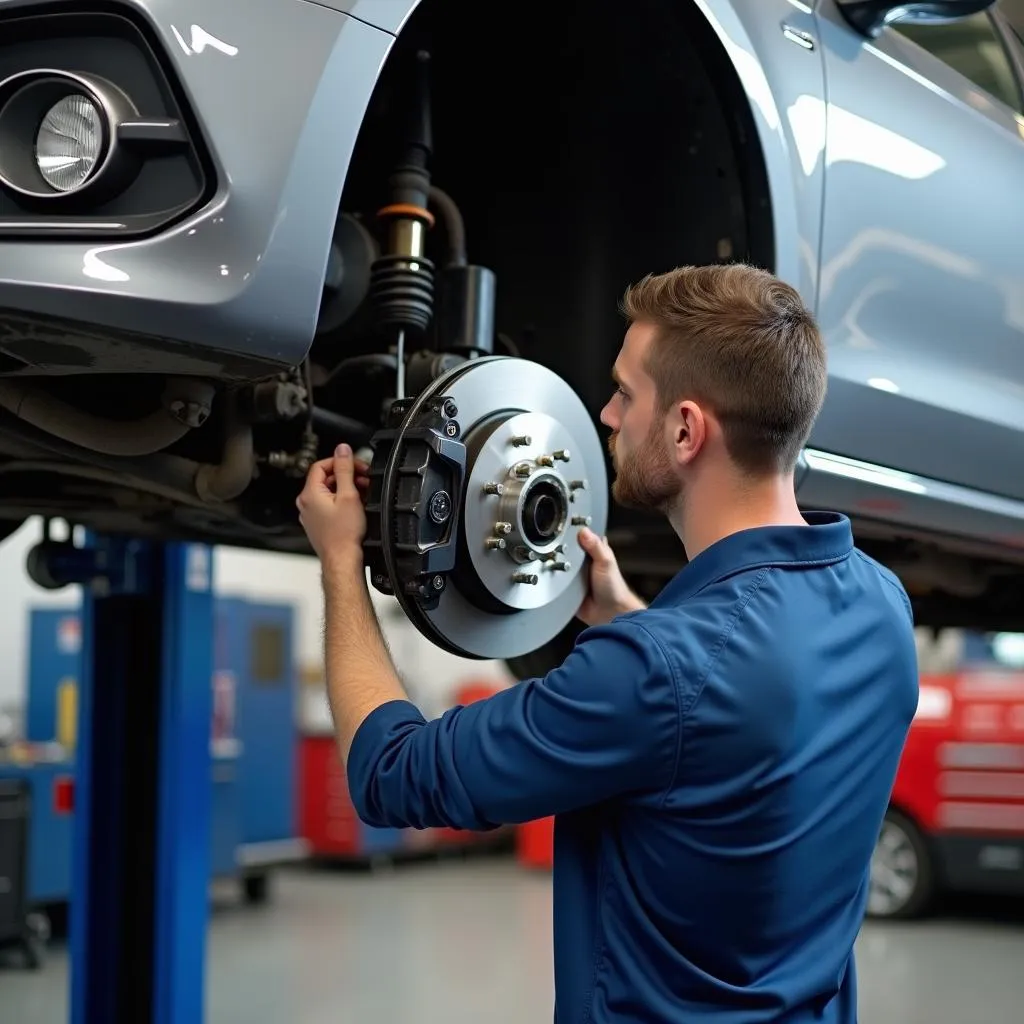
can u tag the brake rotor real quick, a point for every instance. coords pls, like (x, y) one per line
(479, 487)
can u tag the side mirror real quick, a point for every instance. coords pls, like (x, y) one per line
(870, 17)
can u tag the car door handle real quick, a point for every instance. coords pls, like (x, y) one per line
(798, 36)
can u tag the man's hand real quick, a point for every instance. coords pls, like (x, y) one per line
(331, 508)
(609, 594)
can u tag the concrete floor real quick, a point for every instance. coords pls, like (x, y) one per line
(467, 942)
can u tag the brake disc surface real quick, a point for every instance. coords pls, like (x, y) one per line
(478, 492)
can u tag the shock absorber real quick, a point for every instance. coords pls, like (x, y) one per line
(402, 280)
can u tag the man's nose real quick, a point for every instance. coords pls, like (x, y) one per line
(607, 417)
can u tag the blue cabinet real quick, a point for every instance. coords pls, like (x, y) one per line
(253, 737)
(254, 651)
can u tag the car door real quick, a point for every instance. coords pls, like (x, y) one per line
(921, 289)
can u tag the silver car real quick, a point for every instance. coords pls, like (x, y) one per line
(234, 234)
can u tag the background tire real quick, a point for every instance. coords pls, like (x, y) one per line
(541, 661)
(902, 871)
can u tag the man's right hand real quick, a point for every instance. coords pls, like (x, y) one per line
(609, 594)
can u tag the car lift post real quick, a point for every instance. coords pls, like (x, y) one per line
(139, 907)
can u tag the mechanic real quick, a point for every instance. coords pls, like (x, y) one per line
(718, 762)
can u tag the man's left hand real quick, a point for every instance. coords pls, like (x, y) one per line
(331, 508)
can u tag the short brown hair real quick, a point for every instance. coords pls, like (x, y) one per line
(740, 341)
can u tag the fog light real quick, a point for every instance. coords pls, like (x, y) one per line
(69, 142)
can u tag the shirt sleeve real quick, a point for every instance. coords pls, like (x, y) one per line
(605, 722)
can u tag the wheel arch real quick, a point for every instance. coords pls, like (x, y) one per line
(747, 39)
(752, 42)
(732, 191)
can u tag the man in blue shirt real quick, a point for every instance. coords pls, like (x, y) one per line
(720, 761)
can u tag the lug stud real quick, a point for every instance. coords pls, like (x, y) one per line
(500, 528)
(493, 488)
(577, 485)
(520, 440)
(581, 520)
(561, 566)
(495, 543)
(522, 470)
(562, 455)
(525, 577)
(545, 460)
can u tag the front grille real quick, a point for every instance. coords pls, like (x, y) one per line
(171, 181)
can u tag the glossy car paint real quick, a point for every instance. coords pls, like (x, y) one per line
(922, 270)
(280, 90)
(911, 259)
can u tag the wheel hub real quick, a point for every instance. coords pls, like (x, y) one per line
(478, 490)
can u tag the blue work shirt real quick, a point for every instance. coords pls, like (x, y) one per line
(719, 765)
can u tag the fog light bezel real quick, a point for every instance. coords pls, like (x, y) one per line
(26, 98)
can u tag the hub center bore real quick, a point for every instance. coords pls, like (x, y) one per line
(544, 513)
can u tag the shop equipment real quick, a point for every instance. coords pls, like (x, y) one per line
(252, 744)
(143, 834)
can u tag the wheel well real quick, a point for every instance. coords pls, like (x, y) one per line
(585, 149)
(895, 807)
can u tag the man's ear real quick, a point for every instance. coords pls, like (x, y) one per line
(689, 429)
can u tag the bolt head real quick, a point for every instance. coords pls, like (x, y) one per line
(437, 582)
(440, 507)
(451, 410)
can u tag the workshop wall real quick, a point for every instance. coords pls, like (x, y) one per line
(431, 675)
(19, 595)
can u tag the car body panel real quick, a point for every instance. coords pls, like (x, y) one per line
(279, 90)
(922, 274)
(389, 15)
(909, 502)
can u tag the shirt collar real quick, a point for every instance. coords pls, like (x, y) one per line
(828, 538)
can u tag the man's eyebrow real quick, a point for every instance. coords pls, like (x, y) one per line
(618, 378)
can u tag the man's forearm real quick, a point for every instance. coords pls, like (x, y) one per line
(360, 673)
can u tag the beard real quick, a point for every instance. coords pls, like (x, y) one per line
(646, 479)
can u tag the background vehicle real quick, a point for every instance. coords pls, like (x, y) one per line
(247, 274)
(956, 818)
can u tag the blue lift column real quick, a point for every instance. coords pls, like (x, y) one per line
(139, 902)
